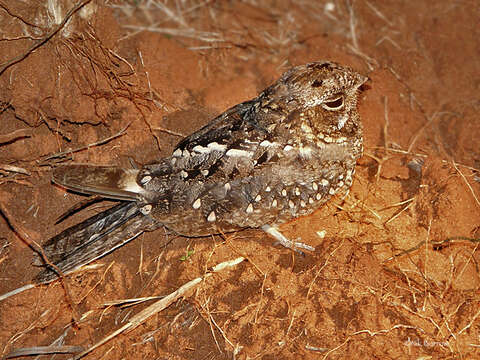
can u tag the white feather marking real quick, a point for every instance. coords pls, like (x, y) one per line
(201, 150)
(129, 182)
(177, 153)
(342, 119)
(212, 217)
(266, 143)
(197, 203)
(214, 146)
(306, 152)
(239, 153)
(145, 210)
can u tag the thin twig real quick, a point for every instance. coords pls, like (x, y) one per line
(101, 142)
(168, 131)
(14, 169)
(15, 135)
(378, 13)
(22, 233)
(466, 182)
(158, 306)
(400, 212)
(352, 23)
(44, 350)
(9, 12)
(435, 244)
(51, 34)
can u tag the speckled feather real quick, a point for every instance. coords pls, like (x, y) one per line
(264, 161)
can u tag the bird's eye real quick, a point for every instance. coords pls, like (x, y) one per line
(336, 102)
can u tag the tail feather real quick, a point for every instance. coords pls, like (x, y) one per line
(107, 181)
(93, 238)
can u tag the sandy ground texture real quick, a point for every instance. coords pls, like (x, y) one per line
(395, 274)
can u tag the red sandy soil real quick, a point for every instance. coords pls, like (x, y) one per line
(396, 275)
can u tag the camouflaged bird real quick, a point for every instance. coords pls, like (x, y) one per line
(259, 164)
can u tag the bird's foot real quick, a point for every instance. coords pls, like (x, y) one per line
(294, 245)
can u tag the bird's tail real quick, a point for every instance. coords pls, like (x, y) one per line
(102, 233)
(92, 239)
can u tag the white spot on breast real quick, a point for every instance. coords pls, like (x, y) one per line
(324, 182)
(183, 174)
(284, 192)
(197, 203)
(249, 209)
(268, 189)
(318, 196)
(212, 217)
(314, 186)
(291, 204)
(238, 153)
(204, 172)
(297, 191)
(302, 203)
(177, 153)
(331, 191)
(274, 203)
(258, 198)
(227, 186)
(310, 200)
(340, 184)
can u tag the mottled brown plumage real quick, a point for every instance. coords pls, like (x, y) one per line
(261, 163)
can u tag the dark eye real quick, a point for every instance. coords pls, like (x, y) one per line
(317, 83)
(334, 103)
